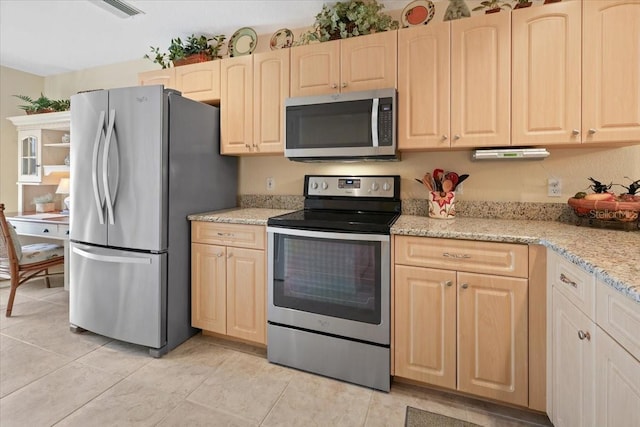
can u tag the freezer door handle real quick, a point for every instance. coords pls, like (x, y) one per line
(94, 169)
(116, 259)
(105, 166)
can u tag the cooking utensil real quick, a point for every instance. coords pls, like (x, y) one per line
(447, 185)
(462, 178)
(426, 180)
(453, 177)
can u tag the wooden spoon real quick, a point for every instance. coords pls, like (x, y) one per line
(447, 185)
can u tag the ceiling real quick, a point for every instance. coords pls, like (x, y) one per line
(48, 37)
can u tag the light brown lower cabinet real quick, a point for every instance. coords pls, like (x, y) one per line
(459, 329)
(228, 294)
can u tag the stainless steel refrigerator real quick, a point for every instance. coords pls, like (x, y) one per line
(142, 159)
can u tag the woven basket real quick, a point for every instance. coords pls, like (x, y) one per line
(192, 59)
(605, 210)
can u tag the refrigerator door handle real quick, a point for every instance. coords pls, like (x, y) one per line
(105, 165)
(94, 169)
(116, 259)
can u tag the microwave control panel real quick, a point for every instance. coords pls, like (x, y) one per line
(385, 122)
(351, 186)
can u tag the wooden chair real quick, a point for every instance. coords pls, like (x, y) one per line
(23, 263)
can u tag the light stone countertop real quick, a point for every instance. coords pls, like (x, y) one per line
(613, 255)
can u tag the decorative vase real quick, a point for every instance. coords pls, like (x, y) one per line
(442, 205)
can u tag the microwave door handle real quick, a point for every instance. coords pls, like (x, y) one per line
(374, 121)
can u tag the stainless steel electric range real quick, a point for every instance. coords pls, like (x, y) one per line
(329, 275)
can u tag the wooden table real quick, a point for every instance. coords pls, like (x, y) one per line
(49, 225)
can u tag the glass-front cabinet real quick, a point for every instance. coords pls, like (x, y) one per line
(29, 157)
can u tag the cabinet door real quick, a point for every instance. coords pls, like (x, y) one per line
(493, 337)
(423, 86)
(610, 70)
(369, 62)
(617, 384)
(200, 82)
(425, 325)
(315, 69)
(208, 289)
(236, 105)
(271, 88)
(572, 365)
(246, 300)
(481, 80)
(546, 70)
(164, 77)
(29, 156)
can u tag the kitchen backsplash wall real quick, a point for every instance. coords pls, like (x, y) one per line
(498, 181)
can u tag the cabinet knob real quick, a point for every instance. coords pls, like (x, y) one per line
(592, 131)
(448, 283)
(465, 285)
(247, 146)
(582, 335)
(334, 86)
(456, 137)
(344, 85)
(67, 232)
(229, 255)
(445, 137)
(219, 254)
(575, 132)
(46, 230)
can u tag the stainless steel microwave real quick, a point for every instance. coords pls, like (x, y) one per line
(346, 126)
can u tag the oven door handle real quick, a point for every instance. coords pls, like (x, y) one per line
(329, 234)
(374, 122)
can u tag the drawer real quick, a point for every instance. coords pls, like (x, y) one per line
(619, 317)
(503, 259)
(240, 235)
(41, 229)
(578, 285)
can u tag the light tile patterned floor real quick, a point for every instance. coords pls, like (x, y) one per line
(50, 376)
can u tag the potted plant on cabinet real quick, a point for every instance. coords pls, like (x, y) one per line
(43, 104)
(492, 6)
(521, 4)
(348, 19)
(195, 49)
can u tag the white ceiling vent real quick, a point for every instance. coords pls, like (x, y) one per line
(119, 8)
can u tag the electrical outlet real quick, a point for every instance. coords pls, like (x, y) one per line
(271, 183)
(460, 188)
(554, 187)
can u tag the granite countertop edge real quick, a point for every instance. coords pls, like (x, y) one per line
(550, 235)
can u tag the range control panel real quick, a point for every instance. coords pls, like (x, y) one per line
(352, 186)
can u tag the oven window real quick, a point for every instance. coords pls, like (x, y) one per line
(333, 125)
(337, 278)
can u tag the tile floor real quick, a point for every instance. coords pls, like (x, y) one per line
(50, 376)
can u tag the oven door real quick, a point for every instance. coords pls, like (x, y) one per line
(329, 282)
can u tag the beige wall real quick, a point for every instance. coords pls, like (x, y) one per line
(507, 180)
(12, 82)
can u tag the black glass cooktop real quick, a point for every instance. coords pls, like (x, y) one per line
(334, 220)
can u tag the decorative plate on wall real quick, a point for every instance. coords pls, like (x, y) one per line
(243, 42)
(418, 12)
(281, 39)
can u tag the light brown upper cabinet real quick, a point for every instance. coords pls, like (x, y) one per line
(546, 65)
(611, 71)
(466, 106)
(200, 82)
(349, 65)
(424, 101)
(481, 80)
(166, 77)
(253, 90)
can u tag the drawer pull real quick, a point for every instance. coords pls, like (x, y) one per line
(225, 234)
(219, 254)
(448, 283)
(582, 335)
(46, 230)
(66, 232)
(465, 285)
(565, 279)
(458, 256)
